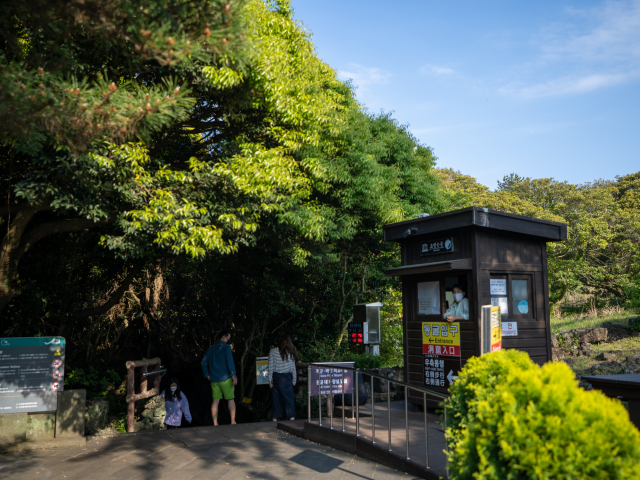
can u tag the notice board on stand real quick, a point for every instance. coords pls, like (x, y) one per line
(31, 373)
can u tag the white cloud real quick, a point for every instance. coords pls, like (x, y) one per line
(568, 85)
(363, 76)
(606, 53)
(436, 70)
(616, 37)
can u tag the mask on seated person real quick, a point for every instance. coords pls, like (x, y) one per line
(458, 297)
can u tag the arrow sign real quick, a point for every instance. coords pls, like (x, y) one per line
(451, 377)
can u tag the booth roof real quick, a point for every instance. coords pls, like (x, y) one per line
(476, 217)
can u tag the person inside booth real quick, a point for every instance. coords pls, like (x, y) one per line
(459, 309)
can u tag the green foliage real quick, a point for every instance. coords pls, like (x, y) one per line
(365, 360)
(91, 379)
(509, 418)
(601, 255)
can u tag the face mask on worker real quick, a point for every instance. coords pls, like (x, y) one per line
(458, 297)
(173, 389)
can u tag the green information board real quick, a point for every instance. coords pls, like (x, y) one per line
(31, 373)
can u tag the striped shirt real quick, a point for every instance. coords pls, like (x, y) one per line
(277, 365)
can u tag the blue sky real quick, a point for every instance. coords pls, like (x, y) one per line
(542, 89)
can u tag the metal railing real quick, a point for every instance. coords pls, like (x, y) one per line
(407, 387)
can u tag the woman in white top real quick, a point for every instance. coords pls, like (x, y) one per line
(459, 309)
(282, 378)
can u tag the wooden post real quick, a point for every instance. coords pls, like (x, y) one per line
(157, 378)
(143, 379)
(131, 407)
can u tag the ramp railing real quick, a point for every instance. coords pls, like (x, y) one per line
(421, 390)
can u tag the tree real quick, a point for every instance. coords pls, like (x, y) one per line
(78, 81)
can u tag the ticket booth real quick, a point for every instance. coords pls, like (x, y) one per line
(497, 259)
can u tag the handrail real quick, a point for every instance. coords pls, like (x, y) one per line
(425, 392)
(441, 396)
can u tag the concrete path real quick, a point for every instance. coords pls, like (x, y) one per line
(254, 450)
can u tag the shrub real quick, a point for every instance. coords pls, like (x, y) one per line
(365, 361)
(509, 418)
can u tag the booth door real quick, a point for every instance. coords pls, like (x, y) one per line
(434, 347)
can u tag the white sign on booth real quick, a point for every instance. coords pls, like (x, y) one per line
(509, 329)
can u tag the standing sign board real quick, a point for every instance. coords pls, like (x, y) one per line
(262, 370)
(441, 350)
(329, 380)
(496, 329)
(31, 373)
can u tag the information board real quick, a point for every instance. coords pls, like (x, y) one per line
(441, 349)
(31, 373)
(262, 370)
(329, 380)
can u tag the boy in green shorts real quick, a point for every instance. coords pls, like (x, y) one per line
(219, 369)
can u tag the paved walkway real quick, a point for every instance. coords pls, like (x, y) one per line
(417, 454)
(254, 450)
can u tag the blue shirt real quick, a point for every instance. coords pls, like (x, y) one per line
(175, 409)
(218, 363)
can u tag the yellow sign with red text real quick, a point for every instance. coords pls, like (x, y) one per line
(441, 338)
(496, 329)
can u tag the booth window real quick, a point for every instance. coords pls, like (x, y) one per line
(512, 293)
(429, 298)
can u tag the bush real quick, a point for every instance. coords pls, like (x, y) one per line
(365, 361)
(509, 418)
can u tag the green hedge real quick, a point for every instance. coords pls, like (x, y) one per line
(509, 418)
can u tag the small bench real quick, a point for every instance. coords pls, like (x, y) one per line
(625, 387)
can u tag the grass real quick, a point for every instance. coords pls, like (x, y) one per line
(570, 322)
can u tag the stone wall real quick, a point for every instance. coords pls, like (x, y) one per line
(150, 414)
(380, 386)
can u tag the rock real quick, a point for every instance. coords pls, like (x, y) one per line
(159, 412)
(591, 335)
(586, 385)
(554, 341)
(138, 426)
(616, 331)
(606, 356)
(571, 361)
(634, 358)
(95, 417)
(557, 353)
(147, 413)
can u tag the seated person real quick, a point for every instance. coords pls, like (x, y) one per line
(459, 309)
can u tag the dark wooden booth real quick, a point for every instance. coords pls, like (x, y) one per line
(498, 258)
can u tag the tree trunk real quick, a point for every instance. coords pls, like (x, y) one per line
(18, 240)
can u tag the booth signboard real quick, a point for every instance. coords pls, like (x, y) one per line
(441, 245)
(441, 338)
(441, 350)
(440, 371)
(496, 329)
(329, 380)
(31, 373)
(262, 370)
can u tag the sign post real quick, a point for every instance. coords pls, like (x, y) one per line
(31, 373)
(262, 370)
(329, 380)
